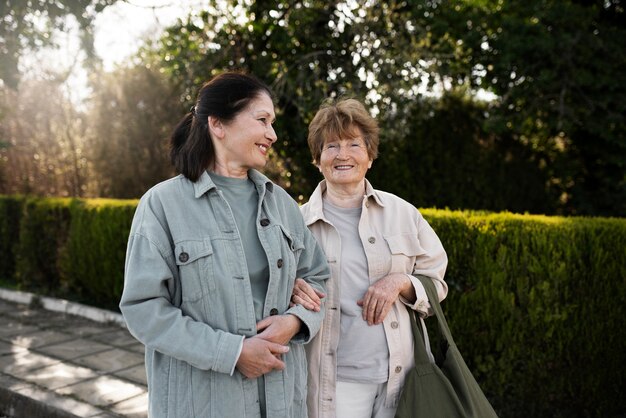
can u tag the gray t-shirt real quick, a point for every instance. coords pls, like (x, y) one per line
(362, 353)
(242, 197)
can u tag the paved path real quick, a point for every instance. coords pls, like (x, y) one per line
(59, 365)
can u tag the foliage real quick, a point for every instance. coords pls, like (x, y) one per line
(551, 139)
(92, 261)
(459, 165)
(556, 68)
(131, 117)
(531, 298)
(10, 219)
(555, 114)
(45, 134)
(43, 230)
(30, 25)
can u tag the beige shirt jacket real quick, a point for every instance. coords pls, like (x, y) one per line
(396, 239)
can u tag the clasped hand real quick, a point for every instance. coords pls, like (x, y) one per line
(262, 353)
(376, 302)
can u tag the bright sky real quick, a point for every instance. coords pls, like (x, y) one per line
(120, 29)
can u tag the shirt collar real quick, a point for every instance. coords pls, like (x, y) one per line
(317, 205)
(204, 183)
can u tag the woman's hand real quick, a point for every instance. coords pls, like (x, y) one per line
(304, 294)
(381, 296)
(278, 329)
(260, 356)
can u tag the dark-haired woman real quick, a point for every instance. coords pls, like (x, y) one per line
(210, 267)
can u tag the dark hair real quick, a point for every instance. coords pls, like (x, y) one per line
(223, 97)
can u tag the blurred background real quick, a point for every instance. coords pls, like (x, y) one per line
(483, 104)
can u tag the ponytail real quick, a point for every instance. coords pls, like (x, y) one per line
(191, 148)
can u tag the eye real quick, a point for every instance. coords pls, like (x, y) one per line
(263, 121)
(331, 146)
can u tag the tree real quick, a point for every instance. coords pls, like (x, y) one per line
(31, 25)
(44, 134)
(132, 112)
(557, 100)
(557, 70)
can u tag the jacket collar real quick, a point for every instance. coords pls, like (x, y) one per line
(316, 202)
(204, 183)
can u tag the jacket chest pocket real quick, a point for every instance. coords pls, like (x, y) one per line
(291, 248)
(195, 265)
(404, 248)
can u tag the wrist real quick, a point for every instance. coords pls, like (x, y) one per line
(295, 323)
(406, 288)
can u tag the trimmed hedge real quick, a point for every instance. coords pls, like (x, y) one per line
(92, 260)
(10, 215)
(534, 301)
(43, 230)
(536, 307)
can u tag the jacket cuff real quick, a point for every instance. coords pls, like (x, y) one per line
(421, 304)
(229, 350)
(311, 323)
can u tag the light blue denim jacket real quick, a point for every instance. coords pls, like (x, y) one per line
(187, 298)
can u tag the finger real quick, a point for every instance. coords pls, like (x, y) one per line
(307, 304)
(382, 312)
(313, 294)
(368, 304)
(277, 348)
(278, 364)
(264, 323)
(302, 299)
(307, 293)
(370, 311)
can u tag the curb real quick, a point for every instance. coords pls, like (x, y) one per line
(17, 405)
(64, 306)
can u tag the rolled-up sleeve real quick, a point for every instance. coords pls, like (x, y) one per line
(432, 264)
(313, 268)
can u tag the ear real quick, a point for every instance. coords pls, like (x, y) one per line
(216, 127)
(369, 164)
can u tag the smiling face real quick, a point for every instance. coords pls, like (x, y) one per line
(243, 143)
(345, 161)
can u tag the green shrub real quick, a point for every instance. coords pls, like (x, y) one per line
(92, 263)
(534, 304)
(10, 213)
(43, 231)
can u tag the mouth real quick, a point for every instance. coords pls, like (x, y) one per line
(343, 167)
(264, 148)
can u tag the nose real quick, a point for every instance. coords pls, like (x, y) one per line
(270, 133)
(342, 152)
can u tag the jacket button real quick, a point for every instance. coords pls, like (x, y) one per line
(279, 263)
(264, 222)
(372, 240)
(183, 257)
(273, 311)
(398, 369)
(394, 324)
